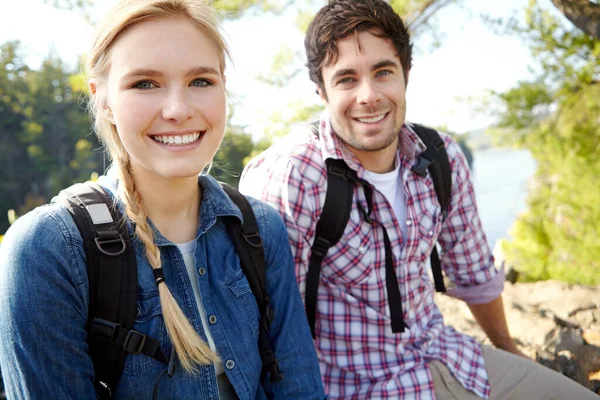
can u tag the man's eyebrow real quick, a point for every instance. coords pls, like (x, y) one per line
(157, 74)
(342, 72)
(383, 64)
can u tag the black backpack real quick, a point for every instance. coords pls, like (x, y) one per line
(112, 272)
(341, 180)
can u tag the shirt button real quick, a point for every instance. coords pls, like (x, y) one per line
(361, 249)
(430, 233)
(202, 271)
(138, 312)
(408, 222)
(212, 319)
(230, 364)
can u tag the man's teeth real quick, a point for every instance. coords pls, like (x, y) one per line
(372, 120)
(178, 140)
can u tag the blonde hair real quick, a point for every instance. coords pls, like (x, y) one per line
(191, 349)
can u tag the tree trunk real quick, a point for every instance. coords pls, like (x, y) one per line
(582, 13)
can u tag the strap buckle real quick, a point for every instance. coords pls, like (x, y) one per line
(102, 242)
(421, 167)
(134, 342)
(104, 329)
(253, 239)
(320, 247)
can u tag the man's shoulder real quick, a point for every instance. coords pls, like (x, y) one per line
(453, 150)
(298, 152)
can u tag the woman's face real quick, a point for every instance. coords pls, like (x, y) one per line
(166, 97)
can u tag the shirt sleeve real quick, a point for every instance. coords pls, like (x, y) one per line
(290, 334)
(43, 311)
(466, 257)
(278, 183)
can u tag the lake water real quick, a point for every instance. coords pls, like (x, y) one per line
(500, 178)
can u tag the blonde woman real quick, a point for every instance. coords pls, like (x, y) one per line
(156, 74)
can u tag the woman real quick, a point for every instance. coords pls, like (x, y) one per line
(156, 75)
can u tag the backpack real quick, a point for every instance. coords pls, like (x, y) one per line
(112, 272)
(341, 180)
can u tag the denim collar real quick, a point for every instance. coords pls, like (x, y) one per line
(215, 203)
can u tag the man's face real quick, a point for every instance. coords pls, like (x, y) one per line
(365, 95)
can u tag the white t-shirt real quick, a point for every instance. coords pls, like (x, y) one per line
(187, 251)
(390, 185)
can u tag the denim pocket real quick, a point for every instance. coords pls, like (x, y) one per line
(149, 321)
(239, 286)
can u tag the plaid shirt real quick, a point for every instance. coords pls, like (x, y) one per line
(360, 357)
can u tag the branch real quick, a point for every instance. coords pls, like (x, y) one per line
(423, 14)
(584, 14)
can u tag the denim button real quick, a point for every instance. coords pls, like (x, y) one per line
(230, 364)
(212, 319)
(202, 271)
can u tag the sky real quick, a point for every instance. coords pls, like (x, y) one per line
(446, 85)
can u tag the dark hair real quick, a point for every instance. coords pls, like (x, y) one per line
(341, 18)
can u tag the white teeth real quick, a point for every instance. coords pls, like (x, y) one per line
(372, 120)
(178, 140)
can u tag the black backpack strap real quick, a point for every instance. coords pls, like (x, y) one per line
(435, 160)
(329, 229)
(249, 247)
(341, 180)
(112, 275)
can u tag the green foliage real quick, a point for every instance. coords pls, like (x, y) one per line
(232, 155)
(556, 118)
(41, 128)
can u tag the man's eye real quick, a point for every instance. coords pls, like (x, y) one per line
(201, 82)
(345, 81)
(384, 72)
(144, 85)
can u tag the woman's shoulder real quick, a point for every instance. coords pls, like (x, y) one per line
(270, 224)
(50, 222)
(43, 237)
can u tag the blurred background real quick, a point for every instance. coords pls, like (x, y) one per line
(515, 81)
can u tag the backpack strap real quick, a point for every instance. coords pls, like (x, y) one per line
(329, 230)
(330, 227)
(112, 275)
(341, 180)
(435, 161)
(249, 247)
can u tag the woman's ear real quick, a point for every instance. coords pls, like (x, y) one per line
(93, 86)
(101, 102)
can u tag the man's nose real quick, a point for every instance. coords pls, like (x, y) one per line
(368, 93)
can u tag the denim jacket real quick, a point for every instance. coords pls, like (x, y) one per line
(44, 306)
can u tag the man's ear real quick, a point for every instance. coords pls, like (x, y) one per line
(322, 94)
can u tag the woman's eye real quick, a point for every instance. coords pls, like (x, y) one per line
(201, 82)
(144, 85)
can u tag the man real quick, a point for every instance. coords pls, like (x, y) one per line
(359, 57)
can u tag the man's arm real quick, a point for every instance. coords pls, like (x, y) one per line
(490, 316)
(467, 259)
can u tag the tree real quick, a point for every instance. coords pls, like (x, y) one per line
(583, 14)
(555, 116)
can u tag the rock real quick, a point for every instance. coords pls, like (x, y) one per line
(555, 323)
